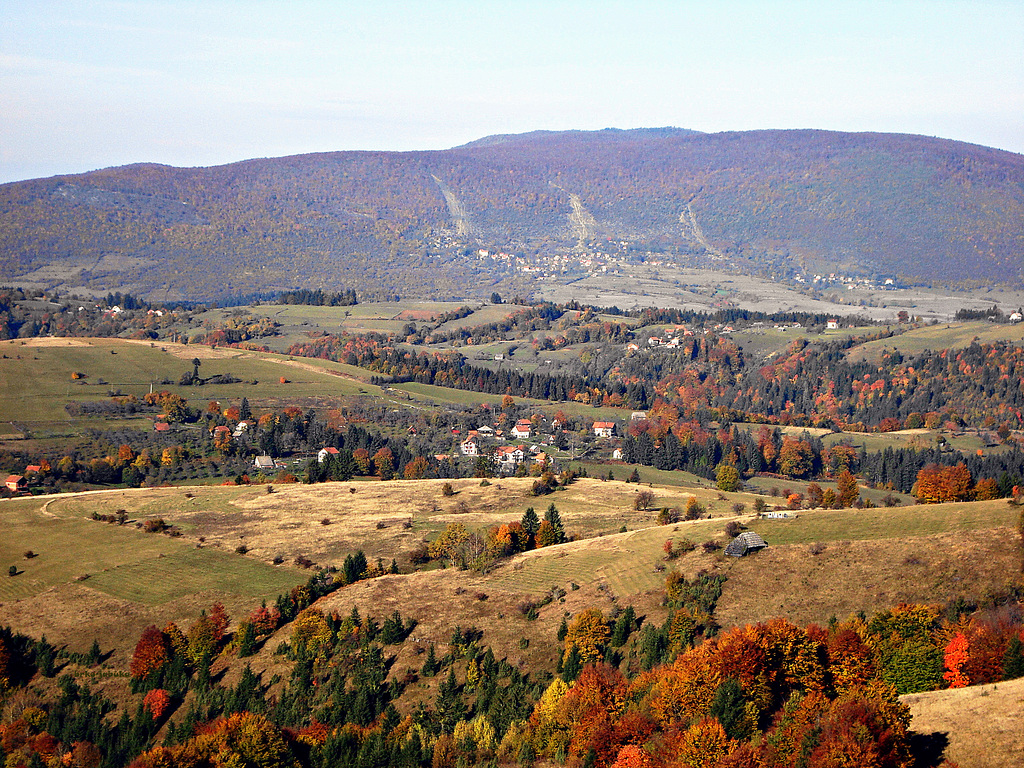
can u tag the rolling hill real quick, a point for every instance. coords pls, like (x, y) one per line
(918, 208)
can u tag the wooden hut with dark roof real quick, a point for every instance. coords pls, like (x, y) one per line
(745, 543)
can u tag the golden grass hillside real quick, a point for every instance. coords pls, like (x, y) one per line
(982, 723)
(818, 565)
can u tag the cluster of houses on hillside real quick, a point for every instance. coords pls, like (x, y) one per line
(673, 337)
(18, 484)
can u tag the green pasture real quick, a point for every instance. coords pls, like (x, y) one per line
(762, 343)
(939, 336)
(298, 320)
(625, 561)
(445, 396)
(489, 313)
(188, 571)
(887, 523)
(668, 477)
(872, 442)
(36, 384)
(121, 561)
(153, 502)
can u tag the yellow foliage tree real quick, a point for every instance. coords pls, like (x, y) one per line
(448, 546)
(704, 743)
(588, 633)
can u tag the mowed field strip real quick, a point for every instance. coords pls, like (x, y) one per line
(121, 561)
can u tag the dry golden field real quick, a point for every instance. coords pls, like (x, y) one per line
(819, 564)
(983, 724)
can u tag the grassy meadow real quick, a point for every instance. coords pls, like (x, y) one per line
(950, 549)
(939, 336)
(36, 377)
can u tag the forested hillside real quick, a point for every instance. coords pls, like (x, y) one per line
(384, 223)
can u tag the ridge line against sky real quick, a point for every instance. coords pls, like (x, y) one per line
(86, 84)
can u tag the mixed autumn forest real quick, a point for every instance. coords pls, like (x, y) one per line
(317, 524)
(778, 203)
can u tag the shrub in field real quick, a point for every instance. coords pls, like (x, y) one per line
(643, 500)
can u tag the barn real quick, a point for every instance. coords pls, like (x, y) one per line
(745, 543)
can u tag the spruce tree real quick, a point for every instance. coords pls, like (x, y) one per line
(623, 627)
(246, 639)
(728, 708)
(449, 705)
(430, 666)
(572, 666)
(553, 517)
(530, 522)
(1013, 660)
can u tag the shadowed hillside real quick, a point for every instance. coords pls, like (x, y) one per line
(766, 201)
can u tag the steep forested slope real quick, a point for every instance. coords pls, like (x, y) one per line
(913, 206)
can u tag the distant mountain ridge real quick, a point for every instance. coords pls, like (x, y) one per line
(410, 222)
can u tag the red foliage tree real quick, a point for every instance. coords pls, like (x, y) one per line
(955, 658)
(152, 652)
(157, 702)
(264, 620)
(219, 621)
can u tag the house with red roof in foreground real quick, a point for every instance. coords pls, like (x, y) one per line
(16, 483)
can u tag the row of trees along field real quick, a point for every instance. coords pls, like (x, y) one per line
(707, 377)
(621, 691)
(688, 447)
(811, 384)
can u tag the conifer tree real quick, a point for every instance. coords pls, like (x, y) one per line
(1013, 660)
(430, 666)
(449, 705)
(571, 666)
(246, 639)
(530, 523)
(553, 517)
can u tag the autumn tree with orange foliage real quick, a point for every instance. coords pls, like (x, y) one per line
(157, 702)
(152, 653)
(954, 659)
(242, 739)
(936, 484)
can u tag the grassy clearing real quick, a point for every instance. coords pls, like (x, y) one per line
(841, 577)
(192, 572)
(36, 378)
(647, 474)
(290, 521)
(120, 560)
(982, 722)
(939, 336)
(763, 343)
(299, 320)
(966, 442)
(895, 522)
(490, 313)
(625, 563)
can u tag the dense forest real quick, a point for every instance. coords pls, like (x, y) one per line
(622, 691)
(768, 201)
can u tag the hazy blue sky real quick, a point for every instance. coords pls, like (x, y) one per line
(90, 84)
